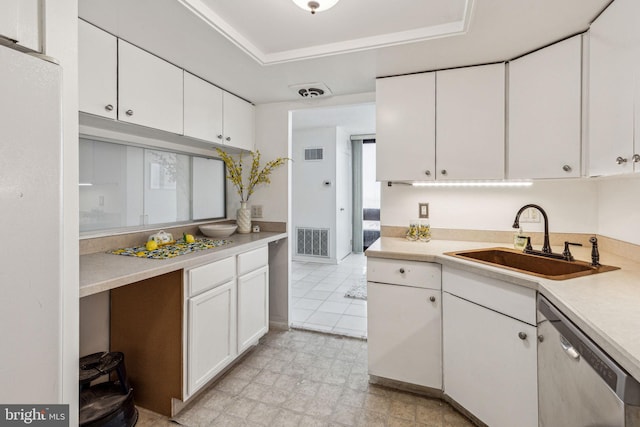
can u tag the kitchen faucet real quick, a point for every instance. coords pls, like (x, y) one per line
(546, 247)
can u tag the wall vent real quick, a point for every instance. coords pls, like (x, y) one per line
(313, 153)
(311, 90)
(313, 241)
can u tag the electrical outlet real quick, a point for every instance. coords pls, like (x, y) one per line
(530, 215)
(423, 210)
(256, 211)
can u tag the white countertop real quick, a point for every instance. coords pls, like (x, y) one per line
(605, 306)
(102, 271)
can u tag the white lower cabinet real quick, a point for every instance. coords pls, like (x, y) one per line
(253, 307)
(404, 321)
(490, 359)
(211, 336)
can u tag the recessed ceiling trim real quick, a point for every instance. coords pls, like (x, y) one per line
(386, 40)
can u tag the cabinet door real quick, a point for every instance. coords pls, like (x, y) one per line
(149, 90)
(20, 21)
(238, 122)
(488, 368)
(470, 114)
(9, 19)
(202, 109)
(545, 112)
(253, 307)
(97, 71)
(405, 334)
(211, 334)
(614, 46)
(405, 128)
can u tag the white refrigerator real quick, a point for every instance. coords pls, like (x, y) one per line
(30, 229)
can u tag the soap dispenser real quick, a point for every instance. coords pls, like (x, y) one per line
(519, 240)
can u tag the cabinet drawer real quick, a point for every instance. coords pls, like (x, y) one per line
(252, 260)
(515, 301)
(406, 273)
(210, 275)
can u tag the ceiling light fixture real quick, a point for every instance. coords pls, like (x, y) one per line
(315, 5)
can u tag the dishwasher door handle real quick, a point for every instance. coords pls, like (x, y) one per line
(569, 349)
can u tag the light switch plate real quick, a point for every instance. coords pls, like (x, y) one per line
(423, 210)
(256, 211)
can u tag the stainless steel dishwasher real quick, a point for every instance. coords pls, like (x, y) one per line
(578, 384)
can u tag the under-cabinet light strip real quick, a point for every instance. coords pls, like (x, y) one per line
(473, 184)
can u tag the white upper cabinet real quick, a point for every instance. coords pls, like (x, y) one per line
(405, 128)
(470, 114)
(238, 118)
(97, 71)
(614, 90)
(545, 112)
(202, 109)
(150, 90)
(20, 21)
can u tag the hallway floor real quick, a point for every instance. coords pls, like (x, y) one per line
(307, 379)
(318, 301)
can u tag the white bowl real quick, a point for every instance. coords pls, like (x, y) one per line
(218, 230)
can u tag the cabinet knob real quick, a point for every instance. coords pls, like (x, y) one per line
(228, 138)
(620, 160)
(219, 136)
(402, 271)
(129, 113)
(108, 107)
(567, 168)
(427, 173)
(540, 338)
(432, 298)
(636, 158)
(443, 171)
(522, 335)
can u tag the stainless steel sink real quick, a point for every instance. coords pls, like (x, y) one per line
(548, 268)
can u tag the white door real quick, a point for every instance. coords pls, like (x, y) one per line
(405, 128)
(344, 191)
(545, 112)
(488, 368)
(253, 307)
(212, 334)
(150, 90)
(238, 122)
(405, 334)
(614, 55)
(202, 109)
(470, 104)
(97, 71)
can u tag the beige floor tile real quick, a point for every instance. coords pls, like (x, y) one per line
(263, 414)
(406, 411)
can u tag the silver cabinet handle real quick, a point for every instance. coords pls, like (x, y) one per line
(443, 171)
(129, 113)
(228, 138)
(620, 160)
(219, 136)
(108, 107)
(567, 168)
(402, 271)
(432, 298)
(636, 158)
(428, 173)
(522, 335)
(568, 348)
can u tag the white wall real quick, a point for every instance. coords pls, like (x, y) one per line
(571, 206)
(619, 208)
(61, 42)
(313, 202)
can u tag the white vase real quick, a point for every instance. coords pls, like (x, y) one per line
(243, 218)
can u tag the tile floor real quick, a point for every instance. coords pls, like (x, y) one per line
(318, 301)
(307, 379)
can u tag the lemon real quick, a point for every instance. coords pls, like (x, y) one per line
(151, 245)
(189, 238)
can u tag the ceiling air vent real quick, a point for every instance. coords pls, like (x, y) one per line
(311, 90)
